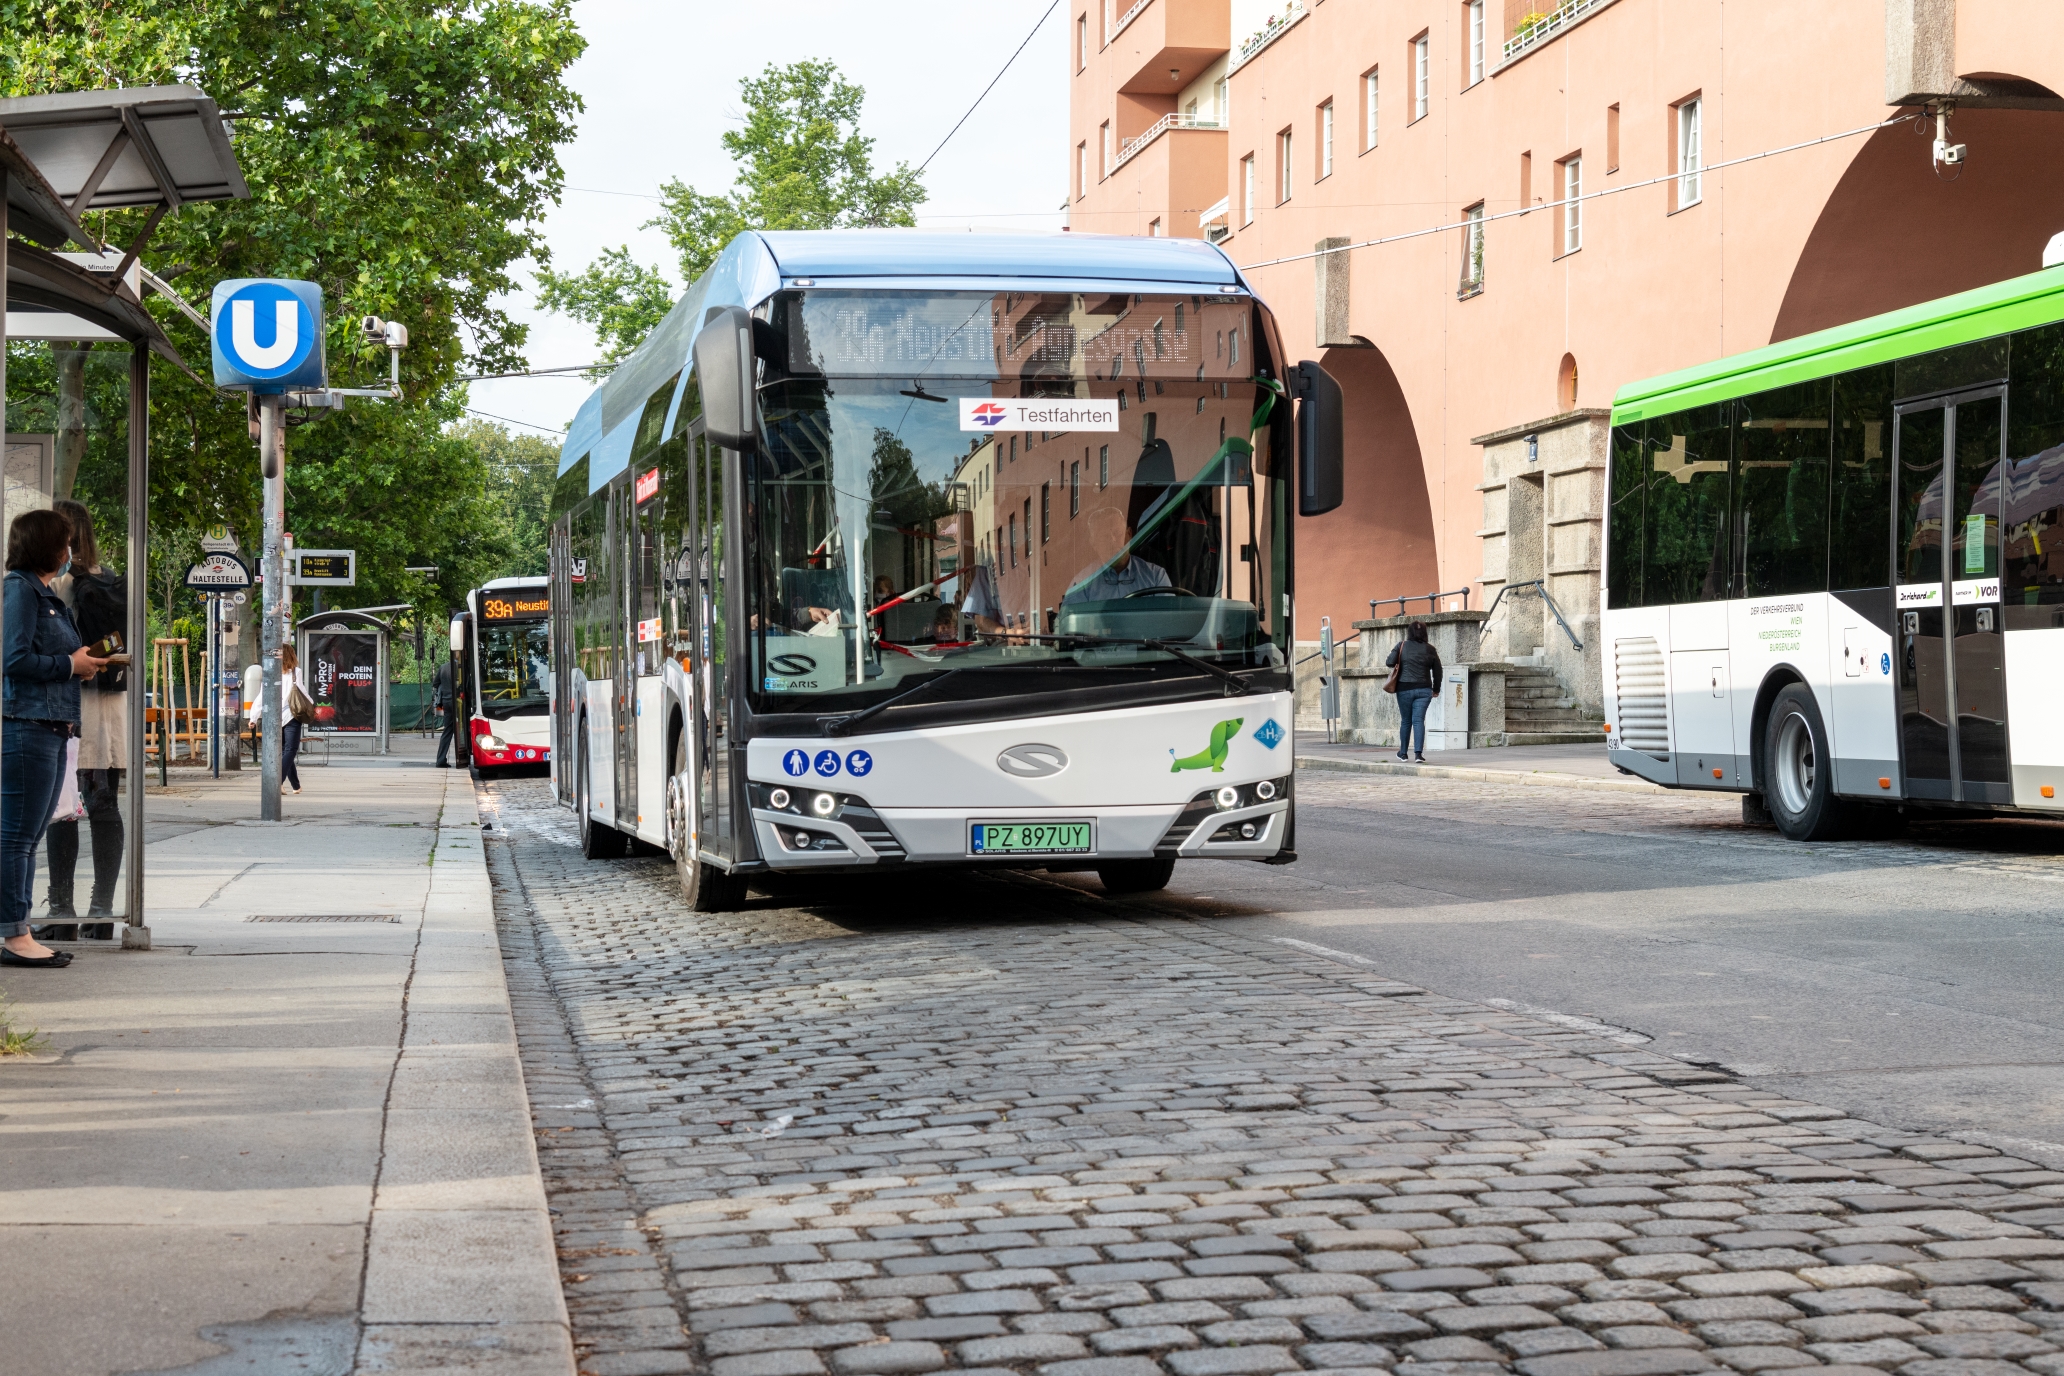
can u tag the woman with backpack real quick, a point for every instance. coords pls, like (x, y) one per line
(100, 608)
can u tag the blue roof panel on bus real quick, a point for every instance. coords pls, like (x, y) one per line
(925, 253)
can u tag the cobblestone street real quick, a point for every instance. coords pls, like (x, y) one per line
(1007, 1123)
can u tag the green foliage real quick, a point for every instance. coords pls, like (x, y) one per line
(519, 471)
(801, 163)
(16, 1040)
(401, 153)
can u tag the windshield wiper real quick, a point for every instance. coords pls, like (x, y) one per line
(843, 725)
(1240, 686)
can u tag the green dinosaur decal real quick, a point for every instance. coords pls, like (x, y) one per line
(1212, 757)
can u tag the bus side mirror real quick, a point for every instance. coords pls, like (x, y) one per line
(724, 370)
(1320, 484)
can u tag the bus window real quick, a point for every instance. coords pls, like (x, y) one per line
(1624, 523)
(1781, 490)
(1688, 554)
(2032, 521)
(1860, 496)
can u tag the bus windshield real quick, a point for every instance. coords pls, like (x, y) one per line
(1058, 482)
(515, 670)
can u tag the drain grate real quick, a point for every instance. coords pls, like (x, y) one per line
(325, 917)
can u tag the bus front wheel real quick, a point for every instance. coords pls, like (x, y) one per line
(1135, 876)
(597, 841)
(706, 888)
(1799, 783)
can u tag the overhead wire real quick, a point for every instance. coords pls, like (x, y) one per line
(1580, 199)
(990, 87)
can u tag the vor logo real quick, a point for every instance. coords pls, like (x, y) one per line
(990, 414)
(1033, 761)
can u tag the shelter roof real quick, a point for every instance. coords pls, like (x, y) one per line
(346, 620)
(142, 146)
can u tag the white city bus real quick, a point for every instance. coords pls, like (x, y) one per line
(1835, 570)
(902, 549)
(501, 662)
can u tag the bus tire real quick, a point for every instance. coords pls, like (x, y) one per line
(1798, 769)
(597, 841)
(1136, 876)
(704, 887)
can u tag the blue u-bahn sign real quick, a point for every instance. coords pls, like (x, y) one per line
(268, 335)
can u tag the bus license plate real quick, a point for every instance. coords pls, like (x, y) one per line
(1031, 838)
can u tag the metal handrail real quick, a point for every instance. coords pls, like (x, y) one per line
(1130, 148)
(1431, 599)
(1539, 585)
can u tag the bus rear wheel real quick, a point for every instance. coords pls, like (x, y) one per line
(597, 841)
(705, 888)
(1135, 876)
(1798, 769)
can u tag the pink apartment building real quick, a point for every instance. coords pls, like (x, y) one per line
(1479, 361)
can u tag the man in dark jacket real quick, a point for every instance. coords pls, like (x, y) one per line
(443, 688)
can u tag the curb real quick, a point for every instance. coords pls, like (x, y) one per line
(461, 1271)
(1536, 777)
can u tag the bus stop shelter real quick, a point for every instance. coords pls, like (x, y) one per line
(343, 655)
(147, 148)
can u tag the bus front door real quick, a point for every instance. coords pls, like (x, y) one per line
(1949, 453)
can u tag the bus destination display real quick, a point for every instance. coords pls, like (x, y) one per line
(514, 607)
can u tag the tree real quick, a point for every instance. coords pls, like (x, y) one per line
(402, 154)
(801, 163)
(520, 469)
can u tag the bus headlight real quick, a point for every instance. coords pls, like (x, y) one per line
(778, 798)
(1227, 798)
(1265, 790)
(492, 743)
(824, 804)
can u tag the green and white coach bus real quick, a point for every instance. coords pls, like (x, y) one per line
(1834, 567)
(890, 550)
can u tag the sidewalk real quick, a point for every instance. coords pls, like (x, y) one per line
(1565, 766)
(339, 1173)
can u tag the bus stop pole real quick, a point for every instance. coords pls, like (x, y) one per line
(272, 459)
(136, 934)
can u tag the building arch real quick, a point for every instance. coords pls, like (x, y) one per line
(1893, 233)
(1379, 542)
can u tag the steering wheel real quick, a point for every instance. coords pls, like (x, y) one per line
(1164, 591)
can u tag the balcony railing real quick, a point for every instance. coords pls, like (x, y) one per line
(1128, 147)
(1541, 26)
(1277, 25)
(1127, 18)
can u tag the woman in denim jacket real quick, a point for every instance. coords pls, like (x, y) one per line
(44, 660)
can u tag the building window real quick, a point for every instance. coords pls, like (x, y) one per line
(1473, 12)
(1421, 74)
(1690, 153)
(1572, 204)
(1103, 465)
(1014, 539)
(1110, 18)
(1472, 251)
(1283, 141)
(1081, 169)
(1612, 139)
(1526, 181)
(1154, 229)
(1368, 109)
(1081, 42)
(1221, 102)
(1028, 529)
(1326, 139)
(1045, 512)
(1247, 190)
(1110, 148)
(1075, 488)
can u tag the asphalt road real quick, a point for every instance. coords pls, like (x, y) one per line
(1912, 982)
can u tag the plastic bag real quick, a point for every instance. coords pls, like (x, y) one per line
(70, 807)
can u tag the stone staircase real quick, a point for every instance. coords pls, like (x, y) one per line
(1539, 712)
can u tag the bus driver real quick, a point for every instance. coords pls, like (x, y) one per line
(1120, 574)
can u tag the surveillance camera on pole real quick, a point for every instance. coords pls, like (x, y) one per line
(268, 340)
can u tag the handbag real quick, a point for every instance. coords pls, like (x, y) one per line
(70, 808)
(298, 705)
(1397, 667)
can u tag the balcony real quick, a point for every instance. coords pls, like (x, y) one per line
(1545, 25)
(1128, 149)
(1278, 24)
(1160, 46)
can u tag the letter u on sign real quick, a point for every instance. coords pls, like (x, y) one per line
(243, 333)
(267, 335)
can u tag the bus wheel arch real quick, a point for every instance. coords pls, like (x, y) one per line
(1779, 678)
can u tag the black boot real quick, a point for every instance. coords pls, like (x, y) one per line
(63, 851)
(107, 868)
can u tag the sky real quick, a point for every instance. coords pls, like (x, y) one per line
(660, 82)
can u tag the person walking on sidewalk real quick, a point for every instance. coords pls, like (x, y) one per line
(43, 659)
(291, 679)
(100, 608)
(442, 688)
(1419, 678)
